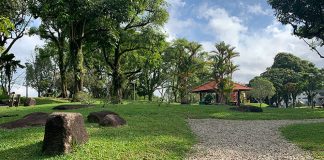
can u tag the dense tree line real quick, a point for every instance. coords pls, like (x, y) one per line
(292, 76)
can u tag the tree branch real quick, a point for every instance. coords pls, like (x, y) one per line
(313, 48)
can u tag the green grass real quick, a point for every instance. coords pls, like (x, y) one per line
(257, 104)
(307, 136)
(152, 132)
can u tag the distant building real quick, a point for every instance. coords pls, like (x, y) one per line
(319, 98)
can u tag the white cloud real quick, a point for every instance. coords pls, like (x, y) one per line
(176, 3)
(19, 89)
(24, 47)
(176, 25)
(257, 9)
(258, 47)
(225, 27)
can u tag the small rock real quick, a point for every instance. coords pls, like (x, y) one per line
(96, 117)
(112, 120)
(30, 102)
(62, 131)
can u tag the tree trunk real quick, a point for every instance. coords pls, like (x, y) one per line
(117, 81)
(63, 85)
(62, 72)
(150, 96)
(76, 51)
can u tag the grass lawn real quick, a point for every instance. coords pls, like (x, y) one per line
(307, 136)
(152, 132)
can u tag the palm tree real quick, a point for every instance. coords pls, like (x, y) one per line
(8, 66)
(223, 68)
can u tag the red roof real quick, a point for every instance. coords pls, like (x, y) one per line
(211, 86)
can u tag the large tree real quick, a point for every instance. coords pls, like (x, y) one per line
(55, 33)
(185, 60)
(136, 32)
(305, 16)
(40, 72)
(80, 20)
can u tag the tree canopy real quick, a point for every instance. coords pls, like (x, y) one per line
(305, 16)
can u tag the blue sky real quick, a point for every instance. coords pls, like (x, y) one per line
(249, 25)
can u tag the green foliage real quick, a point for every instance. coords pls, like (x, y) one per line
(8, 66)
(40, 72)
(82, 97)
(307, 136)
(223, 69)
(288, 75)
(208, 99)
(3, 94)
(185, 60)
(305, 16)
(14, 21)
(261, 89)
(5, 26)
(247, 108)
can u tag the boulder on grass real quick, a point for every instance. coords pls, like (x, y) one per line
(96, 117)
(30, 102)
(62, 132)
(33, 119)
(112, 120)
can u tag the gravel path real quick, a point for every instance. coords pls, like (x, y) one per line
(253, 140)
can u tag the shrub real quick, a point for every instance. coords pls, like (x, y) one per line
(82, 97)
(208, 99)
(246, 108)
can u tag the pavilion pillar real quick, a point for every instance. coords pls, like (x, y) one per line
(238, 98)
(200, 96)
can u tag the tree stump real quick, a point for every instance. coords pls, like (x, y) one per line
(62, 132)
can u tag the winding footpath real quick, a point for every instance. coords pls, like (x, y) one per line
(251, 140)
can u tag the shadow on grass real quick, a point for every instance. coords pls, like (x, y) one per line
(31, 151)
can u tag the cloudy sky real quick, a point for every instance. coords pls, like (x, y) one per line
(249, 25)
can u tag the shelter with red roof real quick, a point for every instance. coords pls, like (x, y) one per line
(211, 87)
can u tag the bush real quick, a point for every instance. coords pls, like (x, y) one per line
(208, 99)
(82, 97)
(246, 108)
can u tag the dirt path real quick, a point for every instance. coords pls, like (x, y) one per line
(254, 140)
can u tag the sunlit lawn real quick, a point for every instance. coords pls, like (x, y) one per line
(152, 132)
(307, 136)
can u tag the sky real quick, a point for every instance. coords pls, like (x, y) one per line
(248, 25)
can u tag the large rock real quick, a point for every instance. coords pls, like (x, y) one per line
(62, 132)
(33, 119)
(30, 102)
(96, 117)
(112, 120)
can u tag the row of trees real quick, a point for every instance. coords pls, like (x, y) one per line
(107, 47)
(172, 68)
(290, 77)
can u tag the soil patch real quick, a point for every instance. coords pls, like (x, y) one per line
(33, 119)
(72, 106)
